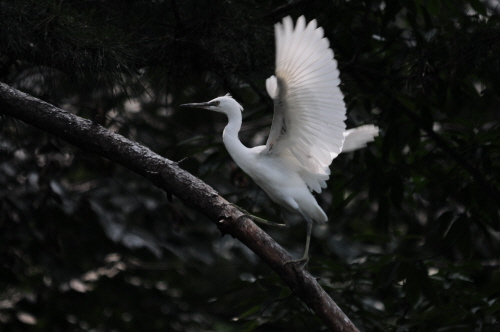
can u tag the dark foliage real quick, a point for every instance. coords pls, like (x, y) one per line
(413, 241)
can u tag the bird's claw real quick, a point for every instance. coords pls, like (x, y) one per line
(259, 220)
(304, 260)
(181, 161)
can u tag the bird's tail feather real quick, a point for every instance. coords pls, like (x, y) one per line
(357, 138)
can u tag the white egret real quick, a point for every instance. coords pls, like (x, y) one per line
(308, 129)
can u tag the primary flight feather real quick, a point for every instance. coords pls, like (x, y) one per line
(308, 129)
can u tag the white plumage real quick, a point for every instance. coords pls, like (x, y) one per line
(308, 102)
(308, 129)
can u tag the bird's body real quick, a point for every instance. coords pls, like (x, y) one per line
(308, 129)
(281, 180)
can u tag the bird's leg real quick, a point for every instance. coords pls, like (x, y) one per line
(261, 220)
(305, 259)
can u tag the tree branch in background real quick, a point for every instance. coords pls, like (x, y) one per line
(166, 175)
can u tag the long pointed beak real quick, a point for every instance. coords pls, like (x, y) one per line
(198, 105)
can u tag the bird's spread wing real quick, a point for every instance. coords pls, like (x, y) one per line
(309, 114)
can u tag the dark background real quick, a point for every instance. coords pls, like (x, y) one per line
(413, 238)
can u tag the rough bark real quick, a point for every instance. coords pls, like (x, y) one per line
(166, 175)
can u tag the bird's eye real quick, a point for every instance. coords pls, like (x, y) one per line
(216, 103)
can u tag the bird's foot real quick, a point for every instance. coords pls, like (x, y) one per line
(260, 220)
(304, 260)
(181, 161)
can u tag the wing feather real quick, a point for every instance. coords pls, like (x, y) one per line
(309, 114)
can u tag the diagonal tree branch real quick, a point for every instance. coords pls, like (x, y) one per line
(166, 175)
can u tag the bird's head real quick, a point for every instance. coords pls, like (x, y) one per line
(225, 104)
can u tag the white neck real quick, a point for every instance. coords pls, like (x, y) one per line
(240, 153)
